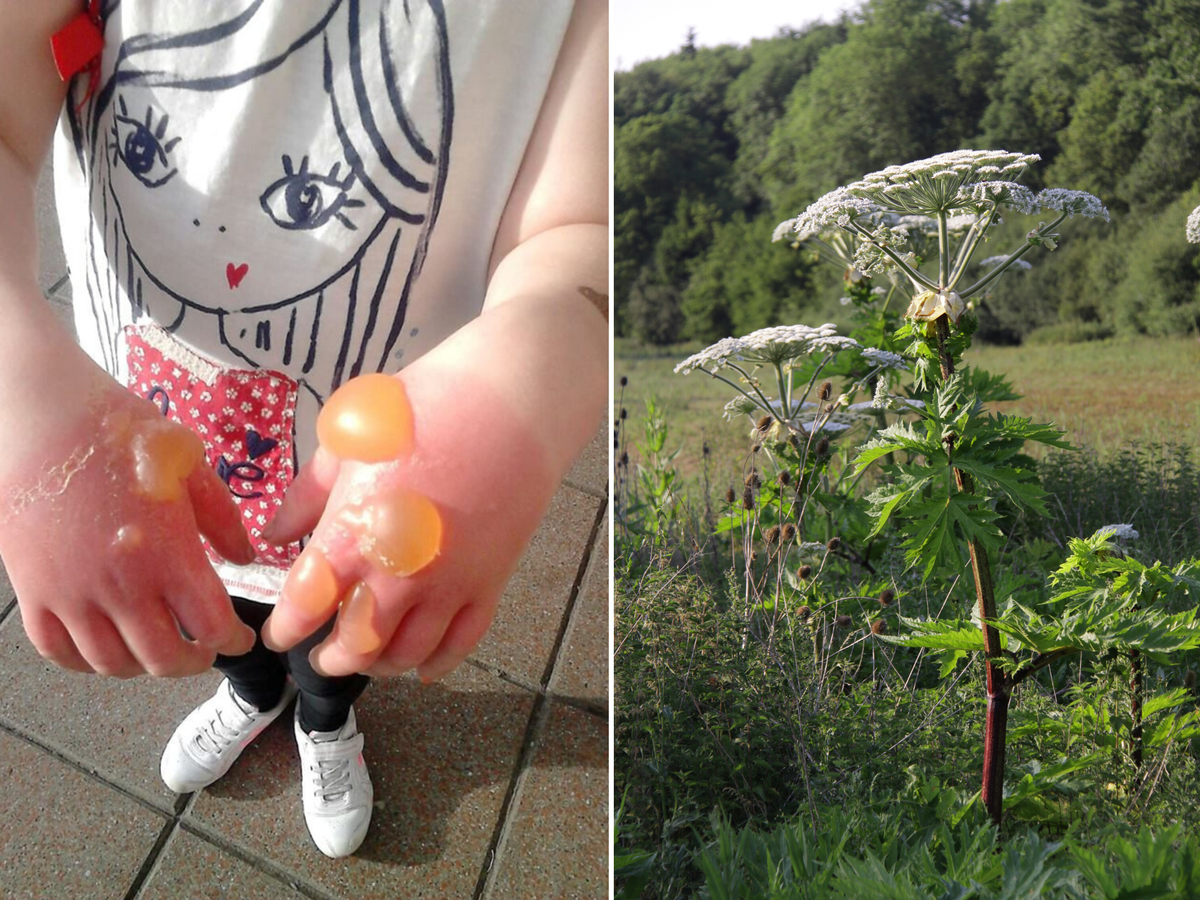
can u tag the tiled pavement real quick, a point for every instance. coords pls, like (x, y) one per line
(490, 784)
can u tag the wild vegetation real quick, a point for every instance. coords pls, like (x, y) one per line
(715, 146)
(900, 656)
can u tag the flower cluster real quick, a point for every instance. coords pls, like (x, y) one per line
(837, 208)
(1123, 532)
(983, 195)
(769, 346)
(1193, 226)
(884, 359)
(1072, 203)
(933, 186)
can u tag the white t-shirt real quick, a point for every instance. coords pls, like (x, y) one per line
(260, 199)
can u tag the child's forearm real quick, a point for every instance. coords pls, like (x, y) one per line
(541, 342)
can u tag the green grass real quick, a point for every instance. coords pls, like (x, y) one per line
(1105, 395)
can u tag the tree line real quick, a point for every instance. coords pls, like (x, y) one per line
(714, 147)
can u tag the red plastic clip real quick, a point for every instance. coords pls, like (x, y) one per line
(77, 47)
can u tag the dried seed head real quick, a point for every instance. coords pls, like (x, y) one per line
(879, 627)
(822, 447)
(748, 498)
(705, 450)
(625, 458)
(825, 390)
(756, 448)
(771, 535)
(785, 478)
(624, 413)
(804, 572)
(833, 544)
(730, 496)
(764, 424)
(804, 612)
(794, 441)
(624, 381)
(886, 598)
(789, 532)
(753, 556)
(829, 407)
(752, 479)
(842, 621)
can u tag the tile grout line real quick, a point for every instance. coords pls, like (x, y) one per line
(537, 718)
(491, 859)
(579, 703)
(69, 760)
(174, 820)
(573, 596)
(8, 608)
(598, 493)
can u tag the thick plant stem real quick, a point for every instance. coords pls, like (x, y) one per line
(999, 687)
(1135, 706)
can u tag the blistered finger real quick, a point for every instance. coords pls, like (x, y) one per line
(102, 646)
(154, 638)
(464, 633)
(416, 638)
(356, 639)
(309, 598)
(204, 611)
(217, 516)
(305, 501)
(52, 640)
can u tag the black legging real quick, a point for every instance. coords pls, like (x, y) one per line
(259, 675)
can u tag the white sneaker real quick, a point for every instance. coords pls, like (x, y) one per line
(213, 736)
(338, 798)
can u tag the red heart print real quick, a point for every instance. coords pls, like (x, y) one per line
(235, 274)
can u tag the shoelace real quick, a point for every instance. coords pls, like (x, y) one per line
(333, 779)
(217, 735)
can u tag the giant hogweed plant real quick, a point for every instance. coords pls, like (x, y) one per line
(962, 460)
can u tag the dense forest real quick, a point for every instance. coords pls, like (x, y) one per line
(715, 146)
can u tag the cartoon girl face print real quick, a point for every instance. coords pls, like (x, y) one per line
(279, 170)
(236, 231)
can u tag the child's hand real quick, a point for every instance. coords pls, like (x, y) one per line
(105, 556)
(489, 479)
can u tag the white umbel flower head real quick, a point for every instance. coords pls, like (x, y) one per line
(837, 208)
(933, 186)
(715, 356)
(1072, 202)
(1005, 194)
(997, 260)
(1193, 226)
(885, 359)
(1123, 532)
(928, 306)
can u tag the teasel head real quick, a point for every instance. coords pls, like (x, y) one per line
(785, 478)
(764, 424)
(730, 495)
(804, 612)
(879, 627)
(822, 448)
(623, 414)
(756, 448)
(824, 390)
(833, 544)
(752, 479)
(788, 533)
(804, 572)
(771, 535)
(794, 440)
(842, 621)
(748, 498)
(886, 598)
(624, 380)
(625, 459)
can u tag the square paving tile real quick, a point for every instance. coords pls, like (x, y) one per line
(530, 615)
(52, 265)
(590, 470)
(583, 662)
(191, 867)
(115, 727)
(441, 760)
(62, 834)
(557, 841)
